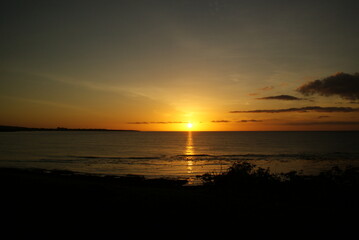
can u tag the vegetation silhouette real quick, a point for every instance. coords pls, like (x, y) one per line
(244, 194)
(243, 173)
(244, 177)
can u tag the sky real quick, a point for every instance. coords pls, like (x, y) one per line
(157, 65)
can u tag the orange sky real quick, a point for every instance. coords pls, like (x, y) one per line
(221, 65)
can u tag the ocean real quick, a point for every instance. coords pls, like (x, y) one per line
(183, 155)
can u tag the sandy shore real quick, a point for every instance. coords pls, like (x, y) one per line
(59, 195)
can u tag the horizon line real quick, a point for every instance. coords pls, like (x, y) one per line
(5, 128)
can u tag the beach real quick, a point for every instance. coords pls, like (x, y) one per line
(47, 197)
(178, 180)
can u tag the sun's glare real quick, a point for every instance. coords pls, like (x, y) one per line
(189, 125)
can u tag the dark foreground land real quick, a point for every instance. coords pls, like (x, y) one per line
(242, 196)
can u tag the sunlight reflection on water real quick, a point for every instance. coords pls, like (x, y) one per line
(177, 154)
(189, 152)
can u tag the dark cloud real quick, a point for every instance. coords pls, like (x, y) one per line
(138, 123)
(155, 122)
(220, 121)
(281, 97)
(239, 121)
(303, 109)
(166, 122)
(214, 121)
(251, 120)
(342, 84)
(267, 88)
(323, 123)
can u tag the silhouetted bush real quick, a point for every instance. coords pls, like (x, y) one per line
(244, 175)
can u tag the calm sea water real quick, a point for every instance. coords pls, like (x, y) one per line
(177, 154)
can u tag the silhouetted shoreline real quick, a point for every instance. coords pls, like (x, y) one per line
(18, 129)
(228, 200)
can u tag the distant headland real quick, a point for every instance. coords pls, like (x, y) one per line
(18, 129)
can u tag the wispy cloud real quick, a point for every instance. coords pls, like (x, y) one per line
(282, 97)
(48, 103)
(302, 109)
(264, 89)
(155, 122)
(322, 123)
(249, 121)
(268, 88)
(220, 121)
(342, 84)
(239, 121)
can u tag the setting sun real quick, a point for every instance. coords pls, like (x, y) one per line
(189, 125)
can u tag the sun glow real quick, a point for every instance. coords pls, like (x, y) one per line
(189, 125)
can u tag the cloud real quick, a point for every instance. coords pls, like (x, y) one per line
(323, 123)
(267, 88)
(303, 109)
(155, 122)
(281, 97)
(342, 84)
(138, 123)
(251, 120)
(239, 121)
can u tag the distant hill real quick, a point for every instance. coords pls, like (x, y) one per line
(17, 129)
